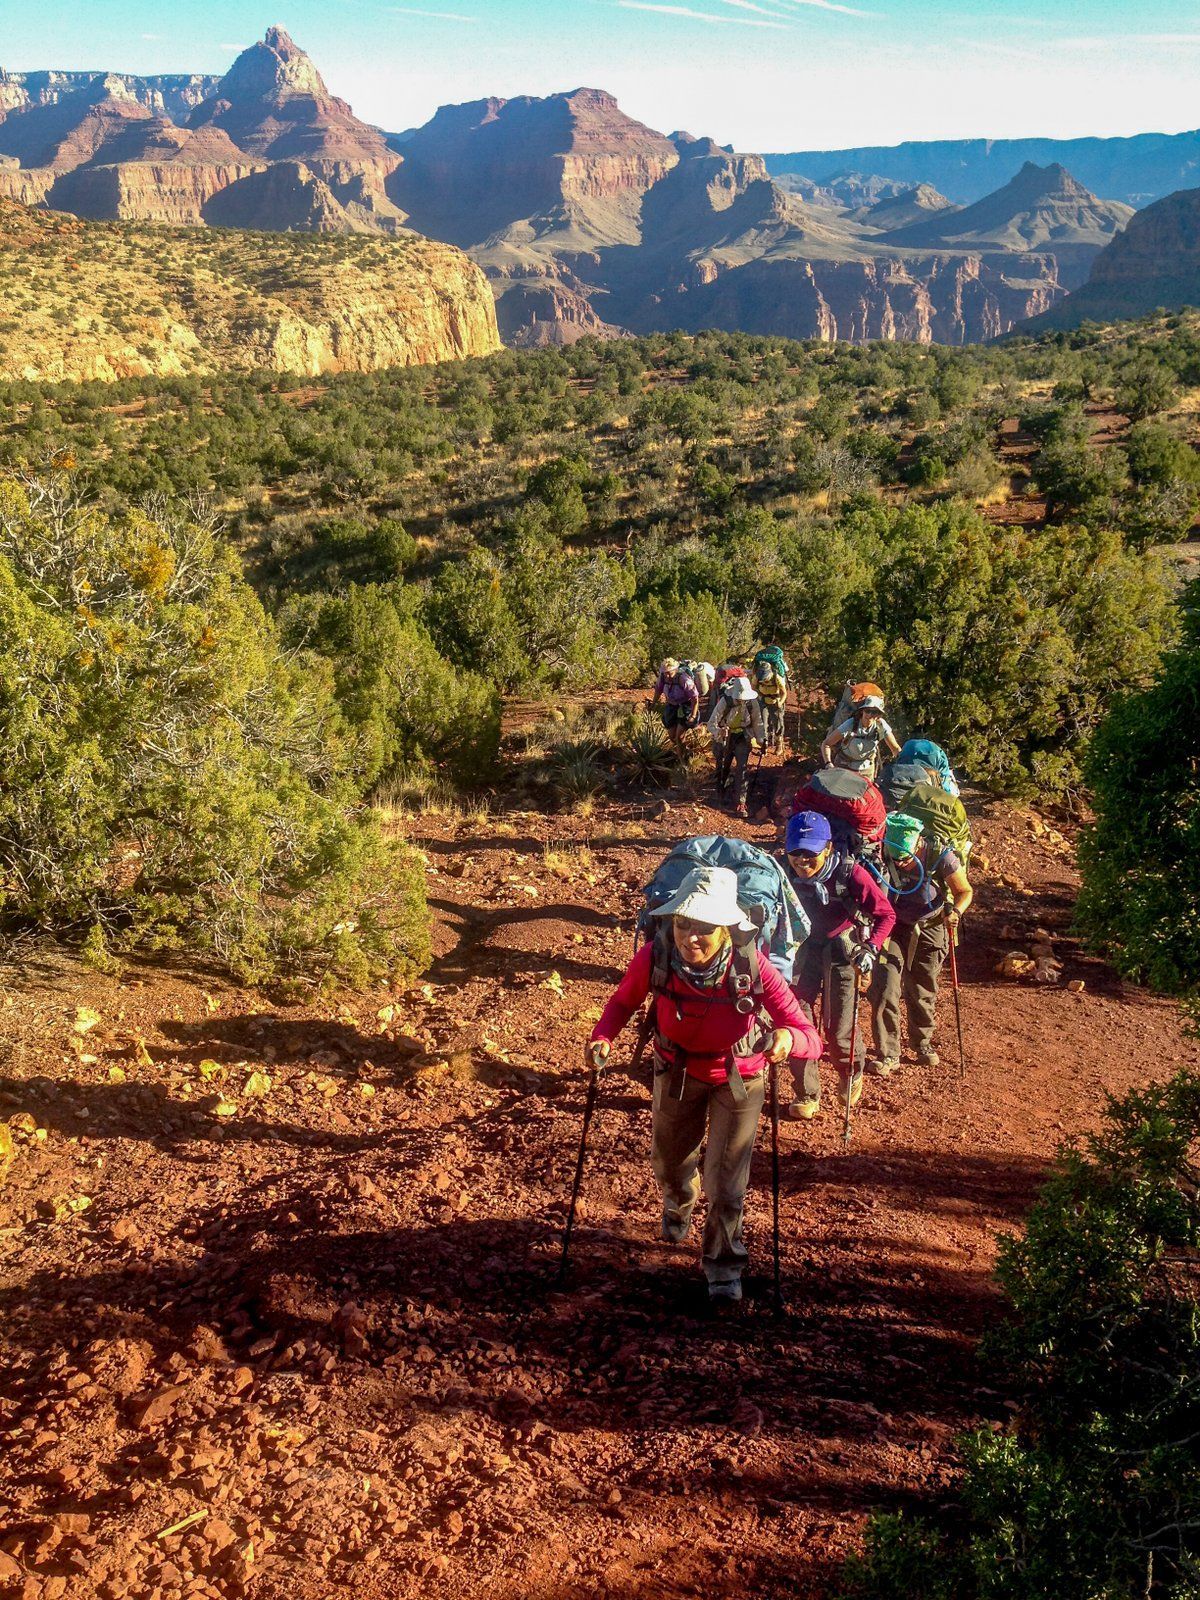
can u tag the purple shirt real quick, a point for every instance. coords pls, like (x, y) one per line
(679, 690)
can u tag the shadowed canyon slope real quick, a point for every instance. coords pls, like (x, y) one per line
(584, 220)
(1154, 263)
(115, 300)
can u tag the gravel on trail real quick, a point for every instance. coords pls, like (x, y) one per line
(279, 1309)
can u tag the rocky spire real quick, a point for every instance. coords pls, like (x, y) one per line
(272, 71)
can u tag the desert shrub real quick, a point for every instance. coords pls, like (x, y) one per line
(472, 624)
(1140, 857)
(1010, 642)
(406, 706)
(1094, 1493)
(1077, 479)
(1144, 389)
(1164, 496)
(690, 626)
(171, 778)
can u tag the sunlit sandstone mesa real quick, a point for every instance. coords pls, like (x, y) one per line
(120, 300)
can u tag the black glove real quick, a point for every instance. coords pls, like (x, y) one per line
(865, 960)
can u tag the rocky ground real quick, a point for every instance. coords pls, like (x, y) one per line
(280, 1315)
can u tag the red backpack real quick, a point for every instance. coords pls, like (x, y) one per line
(854, 806)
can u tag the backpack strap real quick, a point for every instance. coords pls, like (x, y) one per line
(744, 978)
(660, 962)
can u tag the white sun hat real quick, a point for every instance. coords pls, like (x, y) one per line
(743, 689)
(708, 894)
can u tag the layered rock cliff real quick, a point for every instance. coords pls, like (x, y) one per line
(585, 220)
(108, 146)
(118, 300)
(173, 95)
(476, 170)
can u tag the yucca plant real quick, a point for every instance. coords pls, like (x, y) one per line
(648, 751)
(575, 770)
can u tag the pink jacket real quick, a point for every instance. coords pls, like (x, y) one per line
(710, 1024)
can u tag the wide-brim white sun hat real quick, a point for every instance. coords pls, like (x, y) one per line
(743, 689)
(708, 894)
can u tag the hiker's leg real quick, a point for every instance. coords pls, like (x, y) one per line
(886, 982)
(843, 998)
(677, 1132)
(732, 1125)
(809, 976)
(741, 758)
(724, 757)
(924, 970)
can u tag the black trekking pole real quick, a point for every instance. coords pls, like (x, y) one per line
(774, 1081)
(962, 1054)
(850, 1074)
(588, 1108)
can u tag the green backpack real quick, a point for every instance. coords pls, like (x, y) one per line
(942, 816)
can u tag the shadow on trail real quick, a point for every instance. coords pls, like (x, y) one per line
(467, 1316)
(478, 953)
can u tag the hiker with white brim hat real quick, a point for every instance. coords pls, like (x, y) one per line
(736, 726)
(721, 1017)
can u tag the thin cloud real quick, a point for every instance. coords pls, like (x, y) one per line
(696, 16)
(748, 5)
(828, 5)
(440, 16)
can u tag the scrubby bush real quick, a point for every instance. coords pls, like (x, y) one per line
(1140, 857)
(1010, 642)
(406, 706)
(1094, 1492)
(171, 777)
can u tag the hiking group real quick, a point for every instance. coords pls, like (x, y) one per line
(752, 960)
(744, 709)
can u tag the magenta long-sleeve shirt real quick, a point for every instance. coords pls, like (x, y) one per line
(705, 1023)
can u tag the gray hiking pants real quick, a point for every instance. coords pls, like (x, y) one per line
(908, 969)
(773, 720)
(824, 968)
(677, 1135)
(735, 752)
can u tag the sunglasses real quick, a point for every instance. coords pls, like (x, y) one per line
(805, 858)
(695, 930)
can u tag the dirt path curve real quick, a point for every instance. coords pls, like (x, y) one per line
(320, 1320)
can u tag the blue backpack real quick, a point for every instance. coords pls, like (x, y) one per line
(764, 894)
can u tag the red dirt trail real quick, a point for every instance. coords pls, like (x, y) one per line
(324, 1325)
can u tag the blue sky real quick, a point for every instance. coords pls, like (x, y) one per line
(760, 74)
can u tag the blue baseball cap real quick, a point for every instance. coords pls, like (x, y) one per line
(807, 830)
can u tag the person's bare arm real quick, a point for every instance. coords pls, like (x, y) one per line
(961, 895)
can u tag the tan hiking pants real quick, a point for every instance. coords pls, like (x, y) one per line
(678, 1134)
(909, 968)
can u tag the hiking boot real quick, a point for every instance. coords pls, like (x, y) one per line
(675, 1229)
(856, 1089)
(884, 1067)
(725, 1292)
(804, 1109)
(928, 1058)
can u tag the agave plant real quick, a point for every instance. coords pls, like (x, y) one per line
(575, 769)
(648, 751)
